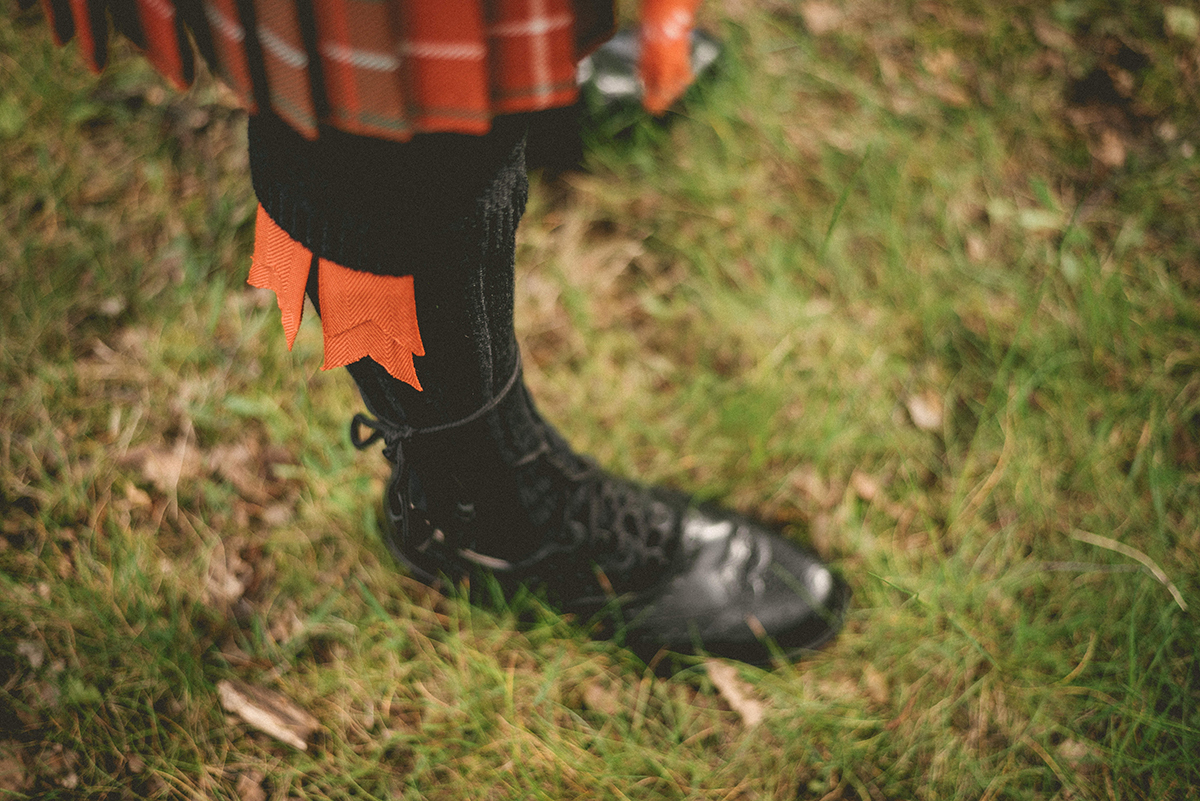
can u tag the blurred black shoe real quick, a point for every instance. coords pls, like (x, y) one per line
(610, 102)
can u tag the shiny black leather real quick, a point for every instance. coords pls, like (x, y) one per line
(698, 579)
(736, 588)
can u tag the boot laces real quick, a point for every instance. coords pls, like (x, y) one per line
(626, 530)
(395, 435)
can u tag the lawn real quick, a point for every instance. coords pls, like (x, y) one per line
(918, 281)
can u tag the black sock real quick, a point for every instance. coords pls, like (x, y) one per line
(451, 221)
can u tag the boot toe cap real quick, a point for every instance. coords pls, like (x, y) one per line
(735, 587)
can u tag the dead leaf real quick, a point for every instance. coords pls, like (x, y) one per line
(60, 762)
(1052, 36)
(736, 693)
(945, 74)
(137, 496)
(977, 250)
(238, 465)
(1078, 754)
(165, 467)
(820, 17)
(601, 697)
(225, 582)
(806, 480)
(1110, 149)
(864, 486)
(13, 776)
(277, 514)
(249, 787)
(951, 94)
(926, 410)
(268, 711)
(286, 624)
(876, 685)
(943, 63)
(34, 651)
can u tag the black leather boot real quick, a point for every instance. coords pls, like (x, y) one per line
(498, 495)
(482, 487)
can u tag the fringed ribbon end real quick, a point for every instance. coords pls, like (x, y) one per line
(362, 314)
(370, 315)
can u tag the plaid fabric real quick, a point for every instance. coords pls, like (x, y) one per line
(383, 68)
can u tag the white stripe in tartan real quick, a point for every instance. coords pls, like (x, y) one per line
(162, 8)
(539, 26)
(444, 51)
(535, 26)
(360, 59)
(293, 57)
(228, 28)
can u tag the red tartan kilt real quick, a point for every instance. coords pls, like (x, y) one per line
(383, 68)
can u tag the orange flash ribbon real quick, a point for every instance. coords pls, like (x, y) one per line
(666, 64)
(362, 314)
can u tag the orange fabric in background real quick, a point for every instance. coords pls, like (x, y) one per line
(666, 55)
(361, 314)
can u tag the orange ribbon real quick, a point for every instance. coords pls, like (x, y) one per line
(666, 64)
(362, 314)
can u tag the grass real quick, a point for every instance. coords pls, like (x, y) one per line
(919, 281)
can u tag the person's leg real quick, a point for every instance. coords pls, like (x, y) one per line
(481, 484)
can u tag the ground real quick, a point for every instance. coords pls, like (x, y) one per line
(920, 282)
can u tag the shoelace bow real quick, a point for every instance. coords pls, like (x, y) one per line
(395, 435)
